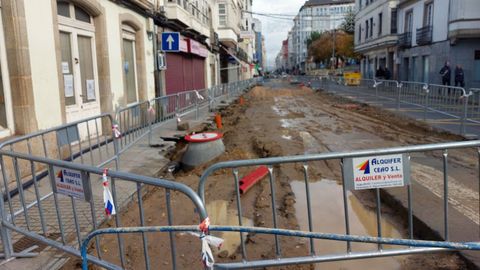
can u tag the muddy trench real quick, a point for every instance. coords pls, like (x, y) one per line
(281, 120)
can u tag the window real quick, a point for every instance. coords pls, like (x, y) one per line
(222, 15)
(408, 21)
(428, 14)
(129, 63)
(77, 54)
(366, 29)
(393, 21)
(380, 22)
(371, 27)
(476, 66)
(360, 33)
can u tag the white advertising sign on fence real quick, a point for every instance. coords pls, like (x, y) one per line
(71, 183)
(377, 172)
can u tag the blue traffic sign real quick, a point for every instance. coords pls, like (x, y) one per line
(171, 41)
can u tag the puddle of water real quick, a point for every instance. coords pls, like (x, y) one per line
(327, 207)
(220, 215)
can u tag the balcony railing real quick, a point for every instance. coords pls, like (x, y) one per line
(198, 10)
(405, 40)
(424, 35)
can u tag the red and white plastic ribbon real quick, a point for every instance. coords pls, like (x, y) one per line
(116, 131)
(207, 240)
(107, 196)
(200, 97)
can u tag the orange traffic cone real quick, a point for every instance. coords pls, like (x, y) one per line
(218, 121)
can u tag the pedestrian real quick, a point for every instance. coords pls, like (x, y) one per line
(459, 76)
(445, 72)
(388, 74)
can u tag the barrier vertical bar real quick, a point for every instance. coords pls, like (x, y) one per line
(94, 219)
(173, 248)
(427, 91)
(274, 208)
(410, 208)
(309, 207)
(445, 193)
(20, 191)
(37, 192)
(345, 207)
(239, 211)
(379, 216)
(464, 99)
(142, 223)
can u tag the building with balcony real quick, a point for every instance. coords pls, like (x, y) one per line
(432, 32)
(195, 65)
(376, 35)
(315, 16)
(233, 24)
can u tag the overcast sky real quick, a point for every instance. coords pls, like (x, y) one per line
(275, 30)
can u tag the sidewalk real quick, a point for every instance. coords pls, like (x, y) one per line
(138, 159)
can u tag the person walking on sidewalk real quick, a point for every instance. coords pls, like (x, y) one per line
(445, 72)
(459, 76)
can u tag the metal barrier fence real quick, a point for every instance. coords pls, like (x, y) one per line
(62, 221)
(96, 141)
(421, 246)
(450, 101)
(138, 120)
(339, 160)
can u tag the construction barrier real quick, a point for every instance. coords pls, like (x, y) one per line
(351, 164)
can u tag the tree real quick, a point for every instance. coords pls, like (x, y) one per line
(348, 25)
(313, 36)
(321, 49)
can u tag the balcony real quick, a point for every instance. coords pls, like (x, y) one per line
(189, 15)
(405, 40)
(424, 35)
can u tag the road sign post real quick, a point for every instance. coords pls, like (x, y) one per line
(171, 41)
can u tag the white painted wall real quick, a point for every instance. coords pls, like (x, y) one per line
(43, 63)
(112, 12)
(44, 67)
(440, 19)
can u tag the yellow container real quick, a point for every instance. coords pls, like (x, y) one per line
(352, 78)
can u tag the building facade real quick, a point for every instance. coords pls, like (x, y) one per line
(433, 32)
(233, 24)
(259, 56)
(195, 65)
(376, 35)
(72, 59)
(69, 60)
(314, 16)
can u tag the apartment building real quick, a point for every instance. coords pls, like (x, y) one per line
(432, 32)
(319, 16)
(376, 35)
(259, 55)
(194, 67)
(233, 24)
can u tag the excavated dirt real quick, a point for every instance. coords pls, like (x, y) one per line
(276, 121)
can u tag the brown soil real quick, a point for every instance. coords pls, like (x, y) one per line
(254, 130)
